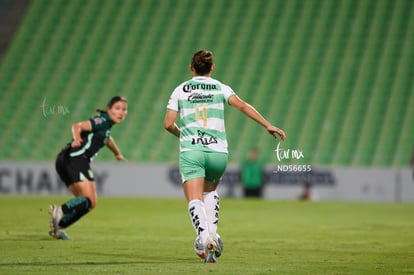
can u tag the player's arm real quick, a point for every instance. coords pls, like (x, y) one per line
(77, 129)
(169, 122)
(114, 148)
(251, 112)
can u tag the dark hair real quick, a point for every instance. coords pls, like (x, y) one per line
(202, 61)
(111, 102)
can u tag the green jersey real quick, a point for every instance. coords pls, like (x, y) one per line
(95, 139)
(200, 102)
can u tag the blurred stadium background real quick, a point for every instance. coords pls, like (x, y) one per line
(337, 76)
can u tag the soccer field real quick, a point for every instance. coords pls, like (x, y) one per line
(154, 236)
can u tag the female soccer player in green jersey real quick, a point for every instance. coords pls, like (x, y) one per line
(73, 164)
(203, 159)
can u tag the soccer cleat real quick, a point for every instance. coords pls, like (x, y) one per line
(220, 246)
(62, 235)
(59, 235)
(55, 230)
(199, 248)
(211, 248)
(55, 216)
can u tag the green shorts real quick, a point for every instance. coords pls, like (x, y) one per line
(199, 164)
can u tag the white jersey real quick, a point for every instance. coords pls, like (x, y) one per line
(200, 102)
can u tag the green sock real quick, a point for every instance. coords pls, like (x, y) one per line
(73, 210)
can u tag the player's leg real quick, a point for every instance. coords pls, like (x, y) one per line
(192, 172)
(62, 165)
(78, 177)
(212, 205)
(193, 190)
(216, 164)
(81, 204)
(66, 214)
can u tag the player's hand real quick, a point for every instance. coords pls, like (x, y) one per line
(274, 131)
(121, 157)
(77, 143)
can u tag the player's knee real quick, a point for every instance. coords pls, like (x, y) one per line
(92, 203)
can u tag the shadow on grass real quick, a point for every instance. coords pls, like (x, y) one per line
(141, 260)
(25, 237)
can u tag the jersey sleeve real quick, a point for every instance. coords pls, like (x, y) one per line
(173, 101)
(227, 93)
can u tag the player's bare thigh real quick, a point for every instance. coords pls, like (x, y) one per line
(85, 188)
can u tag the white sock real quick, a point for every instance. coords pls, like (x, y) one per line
(212, 206)
(198, 218)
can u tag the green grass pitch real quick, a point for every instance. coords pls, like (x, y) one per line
(154, 236)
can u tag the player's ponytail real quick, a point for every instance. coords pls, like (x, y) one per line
(111, 102)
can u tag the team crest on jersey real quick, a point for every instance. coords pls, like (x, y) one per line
(98, 120)
(204, 139)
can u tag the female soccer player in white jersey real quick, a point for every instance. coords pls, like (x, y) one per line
(203, 159)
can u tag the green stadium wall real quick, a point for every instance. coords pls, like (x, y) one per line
(337, 76)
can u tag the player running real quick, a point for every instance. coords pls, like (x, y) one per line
(203, 158)
(73, 164)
